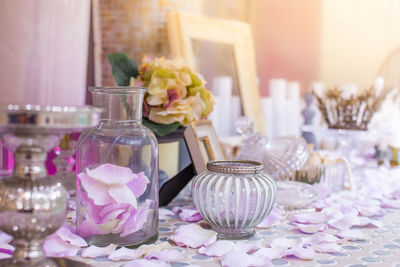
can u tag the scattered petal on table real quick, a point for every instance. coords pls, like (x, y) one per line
(310, 228)
(309, 217)
(54, 246)
(351, 235)
(147, 249)
(94, 251)
(122, 194)
(218, 249)
(65, 234)
(168, 255)
(188, 215)
(302, 253)
(327, 247)
(138, 185)
(96, 191)
(124, 254)
(6, 250)
(247, 246)
(367, 222)
(111, 174)
(272, 253)
(274, 218)
(241, 259)
(193, 236)
(146, 263)
(284, 242)
(321, 238)
(344, 223)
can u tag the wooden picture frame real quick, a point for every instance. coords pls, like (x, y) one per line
(203, 144)
(184, 27)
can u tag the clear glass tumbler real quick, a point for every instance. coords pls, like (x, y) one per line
(117, 172)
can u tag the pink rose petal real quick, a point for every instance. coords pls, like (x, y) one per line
(310, 228)
(240, 259)
(327, 247)
(96, 191)
(351, 235)
(187, 215)
(54, 246)
(284, 242)
(6, 251)
(321, 238)
(218, 248)
(271, 253)
(94, 251)
(322, 190)
(111, 174)
(343, 223)
(5, 238)
(168, 255)
(310, 217)
(302, 253)
(147, 263)
(367, 222)
(138, 184)
(135, 221)
(122, 194)
(65, 234)
(112, 211)
(193, 236)
(247, 247)
(274, 218)
(124, 254)
(89, 228)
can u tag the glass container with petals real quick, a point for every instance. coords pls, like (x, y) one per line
(117, 173)
(234, 197)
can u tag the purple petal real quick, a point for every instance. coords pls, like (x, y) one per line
(96, 191)
(239, 259)
(168, 255)
(139, 184)
(6, 250)
(218, 248)
(274, 218)
(135, 221)
(147, 263)
(367, 222)
(311, 228)
(343, 223)
(122, 194)
(65, 234)
(193, 236)
(271, 253)
(302, 253)
(54, 246)
(310, 217)
(5, 238)
(89, 228)
(322, 191)
(124, 254)
(247, 247)
(112, 211)
(321, 238)
(111, 174)
(351, 235)
(327, 248)
(188, 215)
(284, 242)
(94, 251)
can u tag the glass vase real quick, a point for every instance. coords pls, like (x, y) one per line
(117, 173)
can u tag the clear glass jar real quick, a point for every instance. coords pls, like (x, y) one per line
(117, 172)
(234, 197)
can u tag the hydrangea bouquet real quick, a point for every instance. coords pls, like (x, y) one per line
(176, 94)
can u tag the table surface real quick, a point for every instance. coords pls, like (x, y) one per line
(382, 248)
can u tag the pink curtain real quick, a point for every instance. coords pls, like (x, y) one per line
(43, 51)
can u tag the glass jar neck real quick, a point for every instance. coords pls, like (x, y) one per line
(119, 104)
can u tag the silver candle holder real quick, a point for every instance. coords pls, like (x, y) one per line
(33, 204)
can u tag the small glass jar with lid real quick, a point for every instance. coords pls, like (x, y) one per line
(117, 172)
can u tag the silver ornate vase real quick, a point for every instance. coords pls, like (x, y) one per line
(32, 204)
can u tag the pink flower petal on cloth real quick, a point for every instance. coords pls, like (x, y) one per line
(168, 255)
(218, 248)
(351, 235)
(94, 251)
(89, 228)
(193, 236)
(302, 253)
(311, 228)
(309, 217)
(65, 234)
(96, 191)
(164, 214)
(187, 215)
(6, 251)
(147, 263)
(241, 259)
(138, 184)
(135, 221)
(54, 246)
(271, 253)
(273, 218)
(122, 194)
(111, 174)
(124, 254)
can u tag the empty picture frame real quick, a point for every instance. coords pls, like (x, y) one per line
(183, 28)
(203, 144)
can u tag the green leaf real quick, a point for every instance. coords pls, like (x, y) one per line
(161, 129)
(122, 68)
